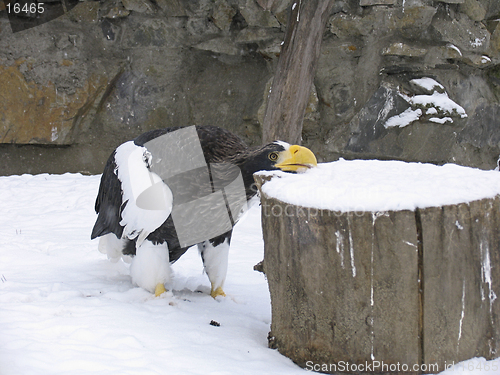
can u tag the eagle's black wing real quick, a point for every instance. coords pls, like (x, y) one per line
(108, 202)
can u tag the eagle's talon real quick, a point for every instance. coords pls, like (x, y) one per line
(159, 290)
(217, 292)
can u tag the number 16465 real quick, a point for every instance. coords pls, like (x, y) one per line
(26, 8)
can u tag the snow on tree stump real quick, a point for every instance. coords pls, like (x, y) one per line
(382, 266)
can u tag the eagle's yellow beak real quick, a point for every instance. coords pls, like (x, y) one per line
(296, 159)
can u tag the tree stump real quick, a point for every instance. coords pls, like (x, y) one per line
(411, 290)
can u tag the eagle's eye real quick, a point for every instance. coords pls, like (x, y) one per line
(273, 156)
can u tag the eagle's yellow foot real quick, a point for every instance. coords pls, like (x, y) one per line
(217, 292)
(160, 289)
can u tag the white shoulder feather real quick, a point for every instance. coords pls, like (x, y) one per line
(149, 199)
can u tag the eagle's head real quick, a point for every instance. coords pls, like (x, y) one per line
(279, 155)
(292, 158)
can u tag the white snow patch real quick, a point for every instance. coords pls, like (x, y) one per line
(438, 104)
(410, 244)
(462, 315)
(486, 272)
(478, 42)
(441, 101)
(403, 119)
(441, 120)
(339, 246)
(427, 83)
(388, 106)
(485, 59)
(53, 134)
(431, 111)
(298, 12)
(376, 186)
(351, 248)
(455, 48)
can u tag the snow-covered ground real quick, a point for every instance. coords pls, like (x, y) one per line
(65, 309)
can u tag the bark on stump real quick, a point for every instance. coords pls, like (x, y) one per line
(397, 288)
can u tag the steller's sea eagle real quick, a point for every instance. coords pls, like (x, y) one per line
(172, 188)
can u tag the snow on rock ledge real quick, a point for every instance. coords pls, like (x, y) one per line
(434, 101)
(383, 261)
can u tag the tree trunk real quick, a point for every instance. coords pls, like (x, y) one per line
(413, 290)
(295, 72)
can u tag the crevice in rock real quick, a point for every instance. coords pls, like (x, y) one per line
(420, 280)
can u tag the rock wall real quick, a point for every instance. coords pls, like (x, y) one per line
(75, 87)
(365, 78)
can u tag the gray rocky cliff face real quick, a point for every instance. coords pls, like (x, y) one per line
(73, 88)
